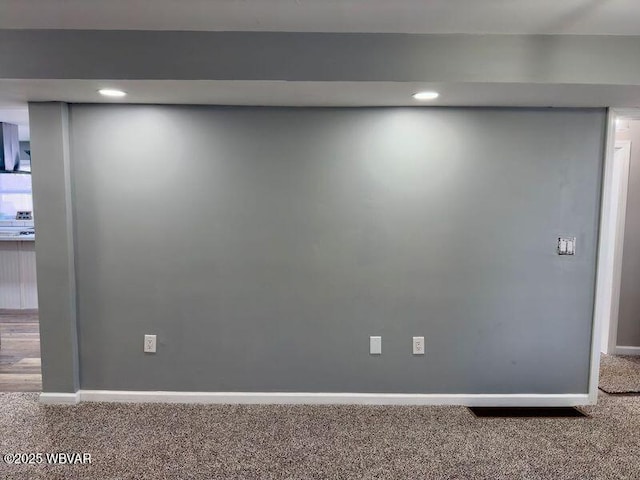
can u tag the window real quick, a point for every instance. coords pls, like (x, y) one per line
(15, 194)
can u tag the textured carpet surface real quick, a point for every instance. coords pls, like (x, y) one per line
(619, 374)
(154, 441)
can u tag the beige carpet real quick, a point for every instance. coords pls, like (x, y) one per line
(318, 442)
(619, 374)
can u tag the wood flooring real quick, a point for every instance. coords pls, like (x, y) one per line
(19, 353)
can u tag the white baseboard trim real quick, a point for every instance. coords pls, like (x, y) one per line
(59, 398)
(261, 398)
(627, 350)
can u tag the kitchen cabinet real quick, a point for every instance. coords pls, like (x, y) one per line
(18, 289)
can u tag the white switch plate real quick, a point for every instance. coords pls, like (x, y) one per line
(150, 344)
(566, 245)
(375, 345)
(418, 345)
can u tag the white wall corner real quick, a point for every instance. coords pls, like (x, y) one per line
(47, 398)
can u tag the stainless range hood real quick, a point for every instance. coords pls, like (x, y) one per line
(9, 147)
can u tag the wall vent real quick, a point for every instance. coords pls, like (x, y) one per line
(527, 412)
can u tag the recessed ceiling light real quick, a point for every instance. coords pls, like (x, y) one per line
(426, 95)
(110, 92)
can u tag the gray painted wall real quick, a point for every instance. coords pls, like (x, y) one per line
(91, 54)
(265, 245)
(629, 311)
(55, 251)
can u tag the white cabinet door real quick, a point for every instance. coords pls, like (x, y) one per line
(10, 290)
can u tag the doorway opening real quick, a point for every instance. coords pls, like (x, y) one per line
(20, 365)
(617, 304)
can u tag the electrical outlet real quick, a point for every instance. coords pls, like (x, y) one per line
(375, 345)
(418, 345)
(150, 344)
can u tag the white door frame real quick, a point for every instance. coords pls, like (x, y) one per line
(609, 264)
(611, 304)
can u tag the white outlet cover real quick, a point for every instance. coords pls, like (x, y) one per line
(375, 345)
(150, 344)
(418, 345)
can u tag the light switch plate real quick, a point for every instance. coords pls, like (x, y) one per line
(375, 345)
(566, 245)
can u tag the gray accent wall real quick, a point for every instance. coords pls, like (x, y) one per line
(55, 251)
(297, 56)
(263, 246)
(629, 311)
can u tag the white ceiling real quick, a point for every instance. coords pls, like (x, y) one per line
(596, 17)
(14, 94)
